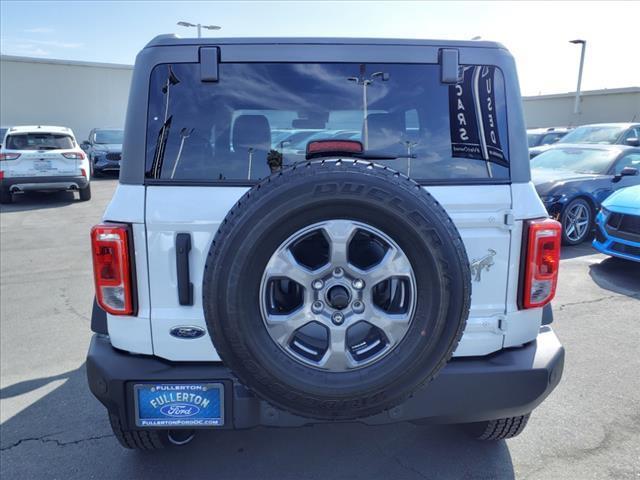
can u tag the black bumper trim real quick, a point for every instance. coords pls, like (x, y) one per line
(81, 181)
(547, 314)
(507, 383)
(98, 319)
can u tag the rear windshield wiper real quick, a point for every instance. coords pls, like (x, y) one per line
(161, 144)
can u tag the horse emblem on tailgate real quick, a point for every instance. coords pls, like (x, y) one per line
(482, 263)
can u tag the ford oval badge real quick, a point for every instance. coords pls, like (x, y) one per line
(187, 332)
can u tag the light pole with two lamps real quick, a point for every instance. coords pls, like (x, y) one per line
(365, 82)
(199, 26)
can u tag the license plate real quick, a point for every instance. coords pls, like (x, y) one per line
(42, 165)
(179, 404)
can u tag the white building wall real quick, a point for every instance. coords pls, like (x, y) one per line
(597, 106)
(85, 95)
(78, 95)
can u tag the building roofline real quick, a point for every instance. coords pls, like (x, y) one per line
(586, 93)
(54, 61)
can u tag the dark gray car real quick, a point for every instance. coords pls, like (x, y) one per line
(104, 148)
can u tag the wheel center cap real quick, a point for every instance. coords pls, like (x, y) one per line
(338, 297)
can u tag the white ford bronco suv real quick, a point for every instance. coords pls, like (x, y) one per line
(323, 230)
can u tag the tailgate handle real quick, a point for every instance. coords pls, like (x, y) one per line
(185, 287)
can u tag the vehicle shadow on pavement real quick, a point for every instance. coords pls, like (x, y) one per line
(568, 252)
(617, 275)
(39, 201)
(65, 434)
(27, 386)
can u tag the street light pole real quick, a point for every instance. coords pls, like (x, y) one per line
(576, 107)
(365, 113)
(199, 26)
(365, 82)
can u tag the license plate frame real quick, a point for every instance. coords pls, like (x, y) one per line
(179, 404)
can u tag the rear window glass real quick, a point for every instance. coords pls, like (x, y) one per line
(39, 141)
(109, 136)
(260, 117)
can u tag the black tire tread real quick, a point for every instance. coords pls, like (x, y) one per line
(6, 196)
(146, 440)
(85, 193)
(504, 428)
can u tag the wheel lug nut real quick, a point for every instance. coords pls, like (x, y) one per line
(358, 284)
(337, 318)
(317, 284)
(338, 272)
(358, 306)
(317, 306)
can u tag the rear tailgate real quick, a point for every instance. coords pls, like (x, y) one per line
(479, 212)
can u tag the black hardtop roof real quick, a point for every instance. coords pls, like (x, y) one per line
(173, 39)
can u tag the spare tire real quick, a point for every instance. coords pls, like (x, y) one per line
(335, 289)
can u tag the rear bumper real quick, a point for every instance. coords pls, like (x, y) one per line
(507, 383)
(23, 184)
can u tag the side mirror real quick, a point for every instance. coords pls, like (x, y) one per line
(633, 141)
(85, 145)
(625, 172)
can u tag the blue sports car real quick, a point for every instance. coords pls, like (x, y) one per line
(572, 181)
(618, 225)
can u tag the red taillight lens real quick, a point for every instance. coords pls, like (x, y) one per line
(84, 172)
(542, 262)
(112, 268)
(333, 146)
(74, 155)
(9, 156)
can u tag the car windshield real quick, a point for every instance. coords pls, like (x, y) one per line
(593, 134)
(260, 117)
(39, 141)
(109, 136)
(550, 138)
(578, 160)
(533, 139)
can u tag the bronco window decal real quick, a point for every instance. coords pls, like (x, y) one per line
(474, 116)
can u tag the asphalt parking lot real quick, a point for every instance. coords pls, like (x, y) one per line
(51, 426)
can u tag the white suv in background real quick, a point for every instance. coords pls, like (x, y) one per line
(42, 158)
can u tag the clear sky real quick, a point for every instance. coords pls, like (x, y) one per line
(537, 33)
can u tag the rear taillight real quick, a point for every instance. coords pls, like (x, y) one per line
(541, 263)
(333, 147)
(74, 155)
(9, 156)
(83, 172)
(112, 268)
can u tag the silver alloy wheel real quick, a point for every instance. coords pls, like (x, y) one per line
(576, 222)
(338, 313)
